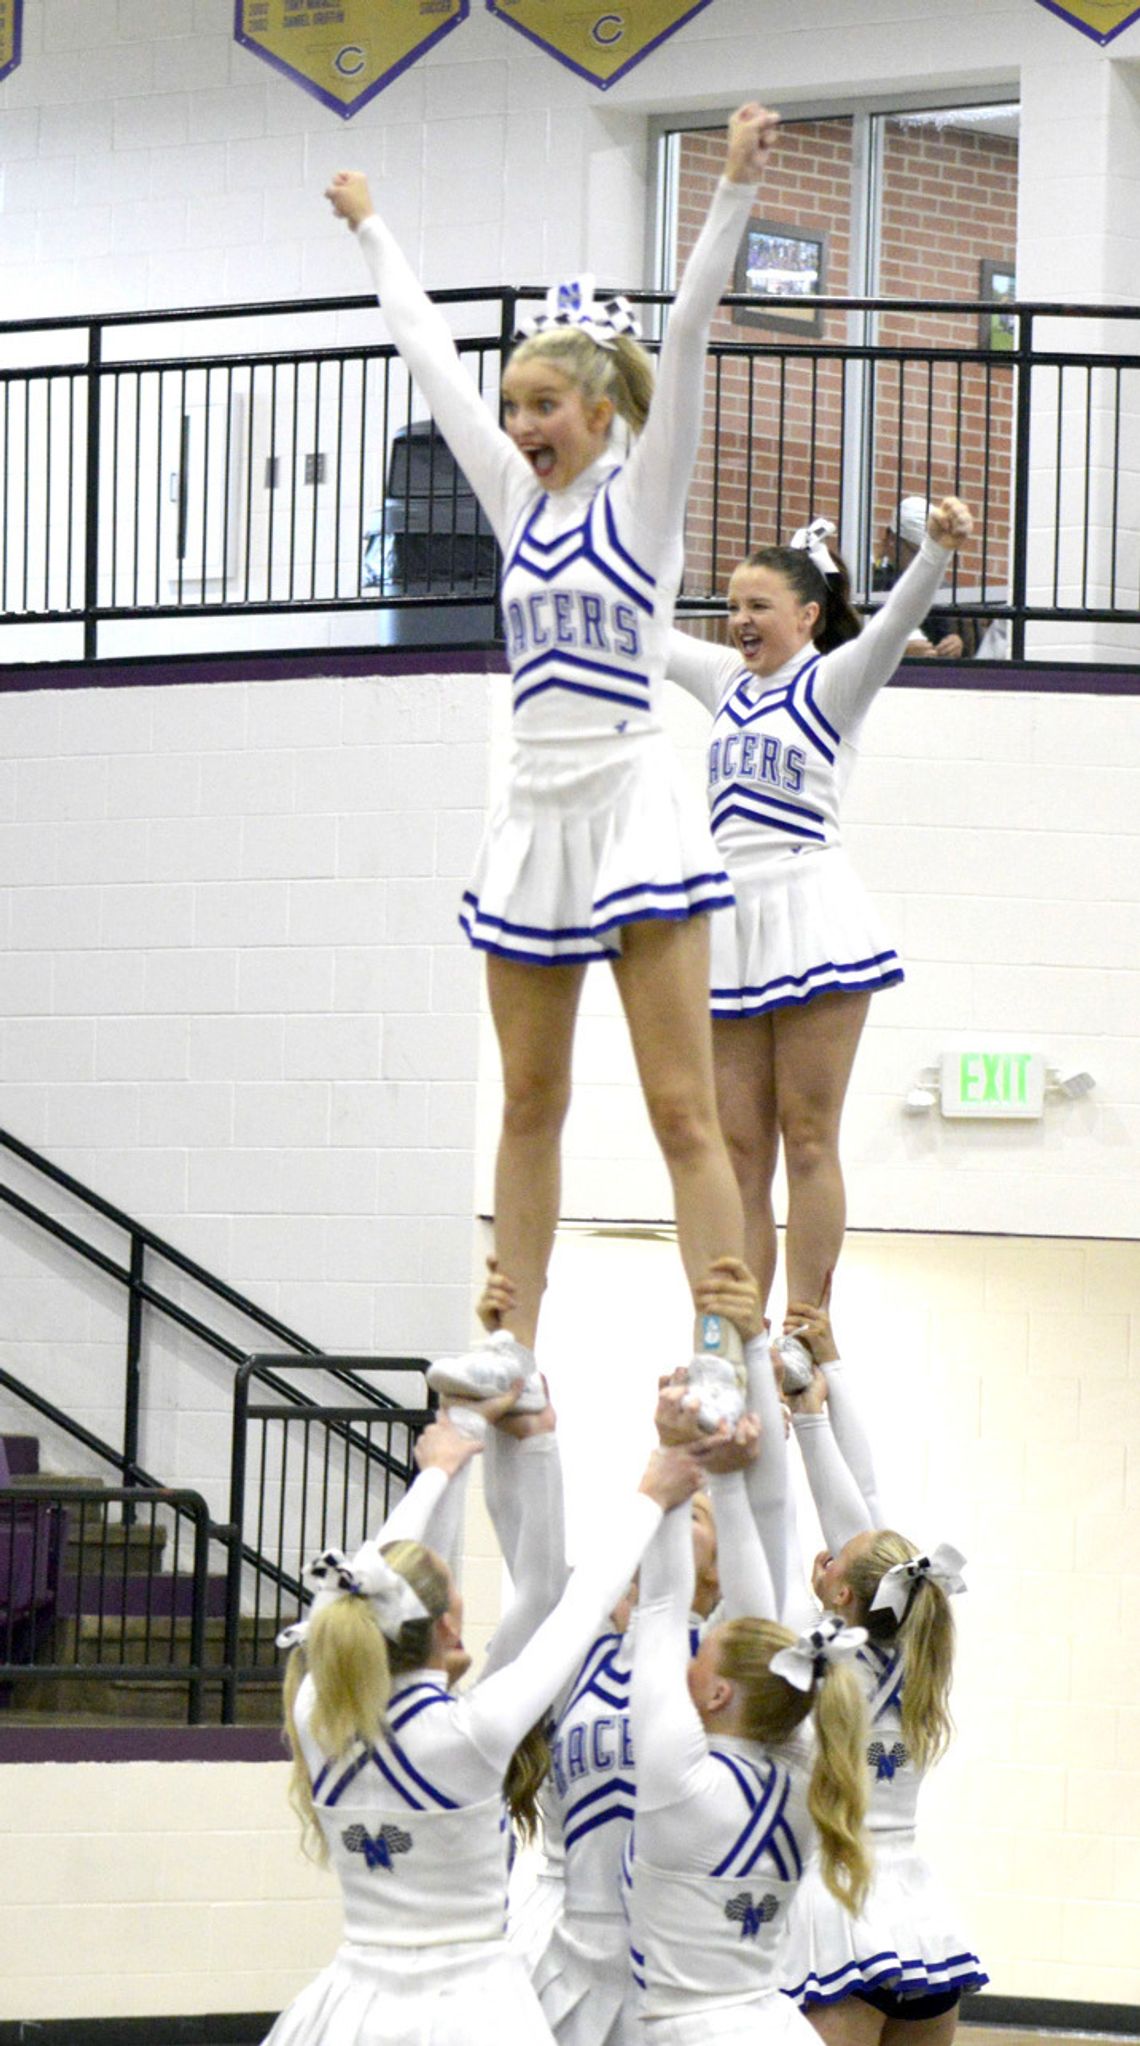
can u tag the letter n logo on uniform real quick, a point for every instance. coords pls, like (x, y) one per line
(1100, 19)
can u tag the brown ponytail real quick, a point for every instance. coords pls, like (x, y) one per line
(838, 619)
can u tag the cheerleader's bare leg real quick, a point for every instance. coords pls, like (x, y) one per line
(855, 2023)
(534, 1009)
(662, 976)
(815, 1046)
(745, 1068)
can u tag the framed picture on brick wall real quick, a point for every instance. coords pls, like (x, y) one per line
(776, 265)
(997, 281)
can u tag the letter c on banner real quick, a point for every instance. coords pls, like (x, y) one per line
(350, 61)
(608, 29)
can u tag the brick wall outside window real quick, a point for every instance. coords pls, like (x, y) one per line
(949, 202)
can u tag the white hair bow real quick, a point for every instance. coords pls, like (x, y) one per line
(812, 539)
(829, 1641)
(367, 1576)
(572, 304)
(896, 1585)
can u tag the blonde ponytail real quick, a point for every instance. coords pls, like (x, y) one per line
(924, 1639)
(837, 1794)
(770, 1709)
(352, 1665)
(623, 373)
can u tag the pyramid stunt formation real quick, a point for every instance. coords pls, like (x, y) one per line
(720, 1752)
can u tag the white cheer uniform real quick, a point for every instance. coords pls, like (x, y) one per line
(780, 758)
(907, 1939)
(417, 1834)
(720, 1837)
(597, 828)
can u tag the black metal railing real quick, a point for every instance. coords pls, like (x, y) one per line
(87, 1601)
(275, 459)
(305, 1477)
(356, 1456)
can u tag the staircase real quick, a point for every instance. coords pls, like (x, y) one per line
(115, 1602)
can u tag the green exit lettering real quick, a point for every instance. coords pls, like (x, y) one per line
(999, 1076)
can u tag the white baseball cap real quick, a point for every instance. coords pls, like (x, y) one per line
(909, 522)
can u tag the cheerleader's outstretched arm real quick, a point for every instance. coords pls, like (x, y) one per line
(729, 1288)
(813, 1324)
(840, 1504)
(655, 480)
(668, 1739)
(851, 676)
(496, 1714)
(530, 1473)
(498, 474)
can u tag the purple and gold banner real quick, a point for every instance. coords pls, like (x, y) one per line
(11, 17)
(347, 52)
(1100, 19)
(601, 43)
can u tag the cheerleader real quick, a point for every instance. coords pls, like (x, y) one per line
(902, 1957)
(731, 1794)
(399, 1784)
(596, 852)
(795, 962)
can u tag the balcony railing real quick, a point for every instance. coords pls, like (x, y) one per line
(266, 475)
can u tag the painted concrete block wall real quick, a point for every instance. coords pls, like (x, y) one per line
(236, 1002)
(1002, 1387)
(998, 835)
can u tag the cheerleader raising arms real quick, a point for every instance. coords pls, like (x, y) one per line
(794, 964)
(901, 1965)
(404, 1783)
(595, 853)
(728, 1790)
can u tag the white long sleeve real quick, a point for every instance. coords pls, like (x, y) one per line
(498, 474)
(850, 1433)
(668, 1739)
(745, 1580)
(496, 1714)
(766, 1481)
(411, 1516)
(530, 1474)
(655, 480)
(851, 676)
(840, 1504)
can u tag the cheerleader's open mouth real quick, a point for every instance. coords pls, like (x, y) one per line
(542, 460)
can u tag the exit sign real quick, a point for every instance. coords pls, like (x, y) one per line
(992, 1083)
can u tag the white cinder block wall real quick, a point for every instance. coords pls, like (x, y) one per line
(234, 998)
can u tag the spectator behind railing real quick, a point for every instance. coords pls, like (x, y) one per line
(944, 635)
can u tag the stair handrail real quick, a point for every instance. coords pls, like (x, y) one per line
(142, 1293)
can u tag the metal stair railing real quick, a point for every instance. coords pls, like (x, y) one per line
(271, 1369)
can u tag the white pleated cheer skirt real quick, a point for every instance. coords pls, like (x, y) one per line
(534, 1907)
(769, 2021)
(588, 839)
(802, 925)
(907, 1939)
(472, 1994)
(584, 1984)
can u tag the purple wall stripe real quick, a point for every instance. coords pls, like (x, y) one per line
(1055, 678)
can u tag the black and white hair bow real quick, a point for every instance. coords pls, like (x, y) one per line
(896, 1585)
(828, 1642)
(366, 1576)
(572, 304)
(813, 538)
